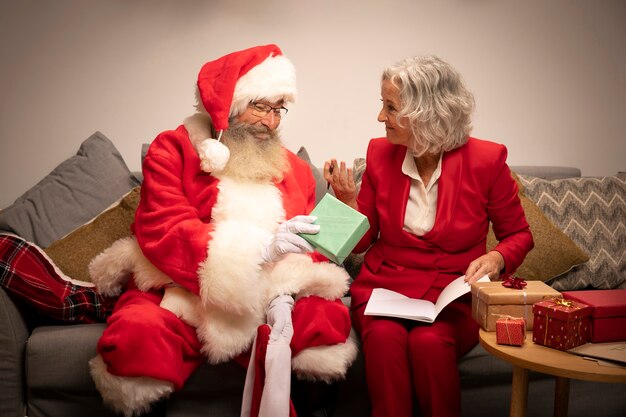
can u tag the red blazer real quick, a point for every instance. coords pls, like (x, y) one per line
(475, 187)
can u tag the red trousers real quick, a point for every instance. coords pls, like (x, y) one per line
(404, 358)
(143, 339)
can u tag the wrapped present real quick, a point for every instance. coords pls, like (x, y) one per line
(490, 300)
(561, 324)
(510, 331)
(608, 313)
(341, 228)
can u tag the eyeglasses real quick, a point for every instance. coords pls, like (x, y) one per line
(263, 109)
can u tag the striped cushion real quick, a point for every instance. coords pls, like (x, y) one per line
(592, 212)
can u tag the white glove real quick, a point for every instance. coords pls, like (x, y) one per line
(285, 240)
(279, 318)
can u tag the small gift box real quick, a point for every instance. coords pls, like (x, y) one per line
(510, 331)
(341, 228)
(608, 313)
(490, 300)
(561, 324)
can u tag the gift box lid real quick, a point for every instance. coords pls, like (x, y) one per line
(512, 320)
(604, 303)
(561, 309)
(495, 293)
(341, 228)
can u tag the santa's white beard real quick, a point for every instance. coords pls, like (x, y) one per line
(256, 153)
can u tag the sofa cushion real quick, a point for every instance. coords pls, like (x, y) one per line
(13, 335)
(320, 185)
(48, 355)
(51, 348)
(75, 192)
(554, 253)
(73, 252)
(591, 211)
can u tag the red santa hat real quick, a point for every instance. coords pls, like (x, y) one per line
(227, 85)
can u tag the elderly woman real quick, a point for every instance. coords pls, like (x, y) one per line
(429, 192)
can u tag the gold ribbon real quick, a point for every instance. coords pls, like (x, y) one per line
(563, 302)
(560, 302)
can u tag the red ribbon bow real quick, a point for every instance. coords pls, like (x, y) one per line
(514, 282)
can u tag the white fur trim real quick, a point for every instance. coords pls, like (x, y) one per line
(127, 395)
(213, 155)
(326, 363)
(298, 274)
(245, 215)
(272, 79)
(183, 303)
(235, 284)
(111, 269)
(225, 335)
(232, 279)
(198, 127)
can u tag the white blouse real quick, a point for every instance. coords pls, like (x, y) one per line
(421, 207)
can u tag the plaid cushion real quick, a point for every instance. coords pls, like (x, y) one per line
(27, 274)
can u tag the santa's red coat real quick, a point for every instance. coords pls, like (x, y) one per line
(206, 233)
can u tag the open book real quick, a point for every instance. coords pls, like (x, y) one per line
(392, 304)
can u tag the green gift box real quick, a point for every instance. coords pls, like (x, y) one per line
(341, 228)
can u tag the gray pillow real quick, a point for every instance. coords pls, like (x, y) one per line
(592, 212)
(75, 192)
(320, 184)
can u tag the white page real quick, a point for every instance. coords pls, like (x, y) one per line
(389, 303)
(454, 290)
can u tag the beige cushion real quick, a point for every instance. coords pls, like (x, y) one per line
(554, 253)
(73, 252)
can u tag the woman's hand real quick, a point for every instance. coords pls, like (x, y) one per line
(489, 264)
(342, 181)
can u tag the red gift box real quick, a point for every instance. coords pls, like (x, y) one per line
(510, 331)
(608, 313)
(561, 324)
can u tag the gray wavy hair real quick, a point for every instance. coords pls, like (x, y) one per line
(435, 101)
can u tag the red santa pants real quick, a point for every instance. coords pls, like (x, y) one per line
(405, 357)
(143, 339)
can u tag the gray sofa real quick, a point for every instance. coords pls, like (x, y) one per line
(44, 372)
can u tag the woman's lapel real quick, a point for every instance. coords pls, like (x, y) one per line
(447, 192)
(400, 185)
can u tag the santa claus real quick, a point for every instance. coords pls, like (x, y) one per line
(215, 251)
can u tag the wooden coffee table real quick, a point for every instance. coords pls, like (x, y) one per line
(564, 366)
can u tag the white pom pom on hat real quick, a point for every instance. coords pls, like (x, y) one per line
(213, 155)
(227, 85)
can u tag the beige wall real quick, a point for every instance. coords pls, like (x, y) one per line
(549, 76)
